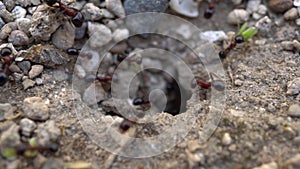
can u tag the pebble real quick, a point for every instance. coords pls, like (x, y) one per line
(24, 25)
(298, 21)
(80, 31)
(188, 8)
(64, 37)
(213, 36)
(291, 14)
(5, 31)
(293, 163)
(253, 5)
(238, 16)
(91, 12)
(18, 12)
(100, 34)
(138, 6)
(23, 3)
(226, 139)
(272, 165)
(236, 2)
(39, 161)
(120, 34)
(53, 163)
(2, 23)
(35, 71)
(14, 68)
(94, 94)
(296, 3)
(10, 4)
(60, 75)
(10, 137)
(18, 38)
(80, 72)
(35, 108)
(116, 7)
(39, 81)
(119, 48)
(6, 111)
(35, 2)
(79, 165)
(294, 110)
(25, 66)
(280, 6)
(27, 127)
(27, 83)
(47, 133)
(6, 16)
(264, 26)
(293, 87)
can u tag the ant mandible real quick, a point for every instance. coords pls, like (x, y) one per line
(77, 17)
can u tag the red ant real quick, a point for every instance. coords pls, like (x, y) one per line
(216, 84)
(77, 17)
(210, 10)
(105, 78)
(7, 61)
(237, 39)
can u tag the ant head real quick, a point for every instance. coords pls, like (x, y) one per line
(50, 2)
(239, 39)
(5, 51)
(3, 79)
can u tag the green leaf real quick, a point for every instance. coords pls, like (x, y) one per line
(31, 153)
(242, 29)
(33, 142)
(249, 33)
(9, 152)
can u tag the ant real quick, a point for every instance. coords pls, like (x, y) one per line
(237, 40)
(215, 83)
(77, 17)
(210, 10)
(242, 36)
(7, 61)
(104, 78)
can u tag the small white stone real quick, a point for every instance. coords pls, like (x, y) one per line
(297, 3)
(291, 14)
(237, 16)
(213, 36)
(262, 9)
(226, 139)
(19, 12)
(120, 34)
(116, 7)
(187, 8)
(35, 71)
(271, 165)
(298, 21)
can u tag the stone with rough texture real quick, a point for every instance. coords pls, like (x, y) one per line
(27, 127)
(18, 38)
(280, 6)
(6, 111)
(116, 7)
(35, 71)
(294, 110)
(291, 14)
(238, 16)
(35, 108)
(293, 87)
(64, 37)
